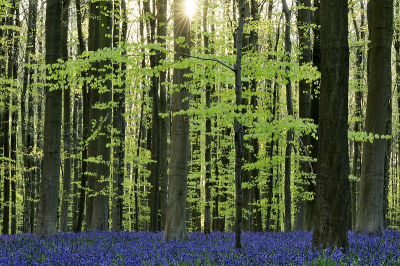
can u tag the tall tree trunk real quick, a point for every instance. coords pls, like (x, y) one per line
(162, 33)
(370, 215)
(303, 24)
(66, 184)
(119, 120)
(100, 204)
(27, 118)
(86, 125)
(332, 189)
(360, 34)
(14, 125)
(50, 183)
(175, 227)
(314, 113)
(289, 133)
(207, 188)
(238, 127)
(93, 112)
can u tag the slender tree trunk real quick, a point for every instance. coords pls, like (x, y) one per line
(86, 125)
(66, 185)
(314, 114)
(289, 133)
(175, 227)
(119, 121)
(238, 127)
(360, 34)
(26, 126)
(332, 189)
(370, 215)
(207, 188)
(303, 24)
(162, 33)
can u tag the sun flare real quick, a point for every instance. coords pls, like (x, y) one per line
(190, 7)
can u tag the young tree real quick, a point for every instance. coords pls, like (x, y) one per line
(289, 133)
(175, 227)
(50, 183)
(332, 189)
(370, 215)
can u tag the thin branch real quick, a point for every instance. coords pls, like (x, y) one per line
(209, 59)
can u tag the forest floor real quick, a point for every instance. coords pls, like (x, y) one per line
(143, 248)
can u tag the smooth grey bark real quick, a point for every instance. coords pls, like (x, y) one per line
(289, 133)
(332, 188)
(303, 25)
(50, 182)
(66, 179)
(370, 215)
(175, 227)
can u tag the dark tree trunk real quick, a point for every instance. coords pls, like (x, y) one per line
(162, 33)
(303, 24)
(332, 189)
(100, 204)
(289, 133)
(85, 129)
(118, 119)
(66, 184)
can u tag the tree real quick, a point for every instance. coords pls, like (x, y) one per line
(332, 188)
(304, 23)
(50, 183)
(370, 215)
(175, 227)
(289, 133)
(238, 127)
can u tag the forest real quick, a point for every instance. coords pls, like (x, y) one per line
(196, 118)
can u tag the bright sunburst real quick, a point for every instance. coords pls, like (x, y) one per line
(190, 7)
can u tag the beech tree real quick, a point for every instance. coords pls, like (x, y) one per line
(50, 182)
(370, 215)
(175, 227)
(332, 188)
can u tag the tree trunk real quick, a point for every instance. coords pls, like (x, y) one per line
(314, 115)
(370, 215)
(86, 125)
(100, 204)
(332, 189)
(360, 34)
(50, 183)
(162, 33)
(289, 133)
(175, 227)
(93, 113)
(66, 187)
(303, 24)
(238, 127)
(119, 120)
(26, 126)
